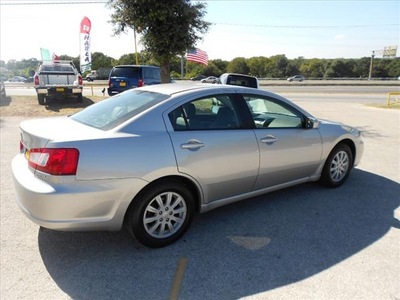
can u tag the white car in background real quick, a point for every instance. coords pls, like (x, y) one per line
(210, 79)
(296, 78)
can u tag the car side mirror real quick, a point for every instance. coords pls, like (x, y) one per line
(311, 123)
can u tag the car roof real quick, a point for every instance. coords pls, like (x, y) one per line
(130, 66)
(176, 88)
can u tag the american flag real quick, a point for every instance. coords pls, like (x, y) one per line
(197, 55)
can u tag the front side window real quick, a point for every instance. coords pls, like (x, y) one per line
(211, 113)
(270, 113)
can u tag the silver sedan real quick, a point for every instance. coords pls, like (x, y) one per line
(151, 158)
(210, 79)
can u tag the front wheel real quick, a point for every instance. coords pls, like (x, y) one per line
(337, 166)
(161, 215)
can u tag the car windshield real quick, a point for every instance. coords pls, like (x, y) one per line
(113, 111)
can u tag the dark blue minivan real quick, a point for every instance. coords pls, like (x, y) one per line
(126, 77)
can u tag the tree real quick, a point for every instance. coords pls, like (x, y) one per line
(257, 66)
(313, 68)
(221, 65)
(100, 60)
(167, 28)
(394, 67)
(238, 65)
(194, 69)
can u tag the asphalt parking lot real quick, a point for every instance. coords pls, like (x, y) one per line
(306, 242)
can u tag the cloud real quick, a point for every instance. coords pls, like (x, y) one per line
(339, 37)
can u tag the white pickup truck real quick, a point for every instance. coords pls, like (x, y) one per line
(57, 79)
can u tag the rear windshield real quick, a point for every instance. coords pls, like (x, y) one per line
(57, 68)
(113, 111)
(242, 81)
(129, 72)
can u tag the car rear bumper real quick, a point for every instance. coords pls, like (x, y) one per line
(59, 90)
(69, 204)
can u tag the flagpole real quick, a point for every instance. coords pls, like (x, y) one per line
(182, 66)
(136, 54)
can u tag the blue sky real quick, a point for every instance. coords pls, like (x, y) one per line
(321, 29)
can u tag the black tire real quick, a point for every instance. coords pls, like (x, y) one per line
(173, 205)
(40, 99)
(80, 98)
(337, 167)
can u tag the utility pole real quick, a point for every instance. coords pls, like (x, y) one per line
(371, 65)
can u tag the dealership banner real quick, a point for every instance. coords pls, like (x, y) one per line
(86, 59)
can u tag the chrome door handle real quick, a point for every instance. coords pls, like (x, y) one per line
(269, 139)
(192, 145)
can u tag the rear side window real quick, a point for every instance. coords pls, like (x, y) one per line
(129, 72)
(211, 113)
(151, 73)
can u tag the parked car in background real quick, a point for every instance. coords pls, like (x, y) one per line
(198, 78)
(90, 78)
(3, 94)
(296, 78)
(127, 77)
(210, 79)
(151, 158)
(18, 79)
(57, 80)
(239, 80)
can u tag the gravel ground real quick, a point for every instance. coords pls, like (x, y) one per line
(27, 106)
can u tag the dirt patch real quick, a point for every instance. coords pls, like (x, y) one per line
(27, 106)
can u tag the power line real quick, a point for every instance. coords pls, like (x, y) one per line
(24, 2)
(304, 26)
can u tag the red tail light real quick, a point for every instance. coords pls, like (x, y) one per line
(36, 79)
(54, 161)
(80, 80)
(140, 83)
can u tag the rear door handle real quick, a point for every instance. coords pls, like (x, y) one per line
(192, 145)
(269, 139)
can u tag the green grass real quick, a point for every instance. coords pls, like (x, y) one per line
(395, 105)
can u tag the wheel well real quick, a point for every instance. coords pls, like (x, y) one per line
(352, 147)
(187, 182)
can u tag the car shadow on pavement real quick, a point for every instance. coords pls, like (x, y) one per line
(235, 251)
(57, 105)
(5, 101)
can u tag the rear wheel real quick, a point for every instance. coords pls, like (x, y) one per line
(337, 166)
(40, 99)
(161, 215)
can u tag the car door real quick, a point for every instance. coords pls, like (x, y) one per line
(212, 147)
(289, 152)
